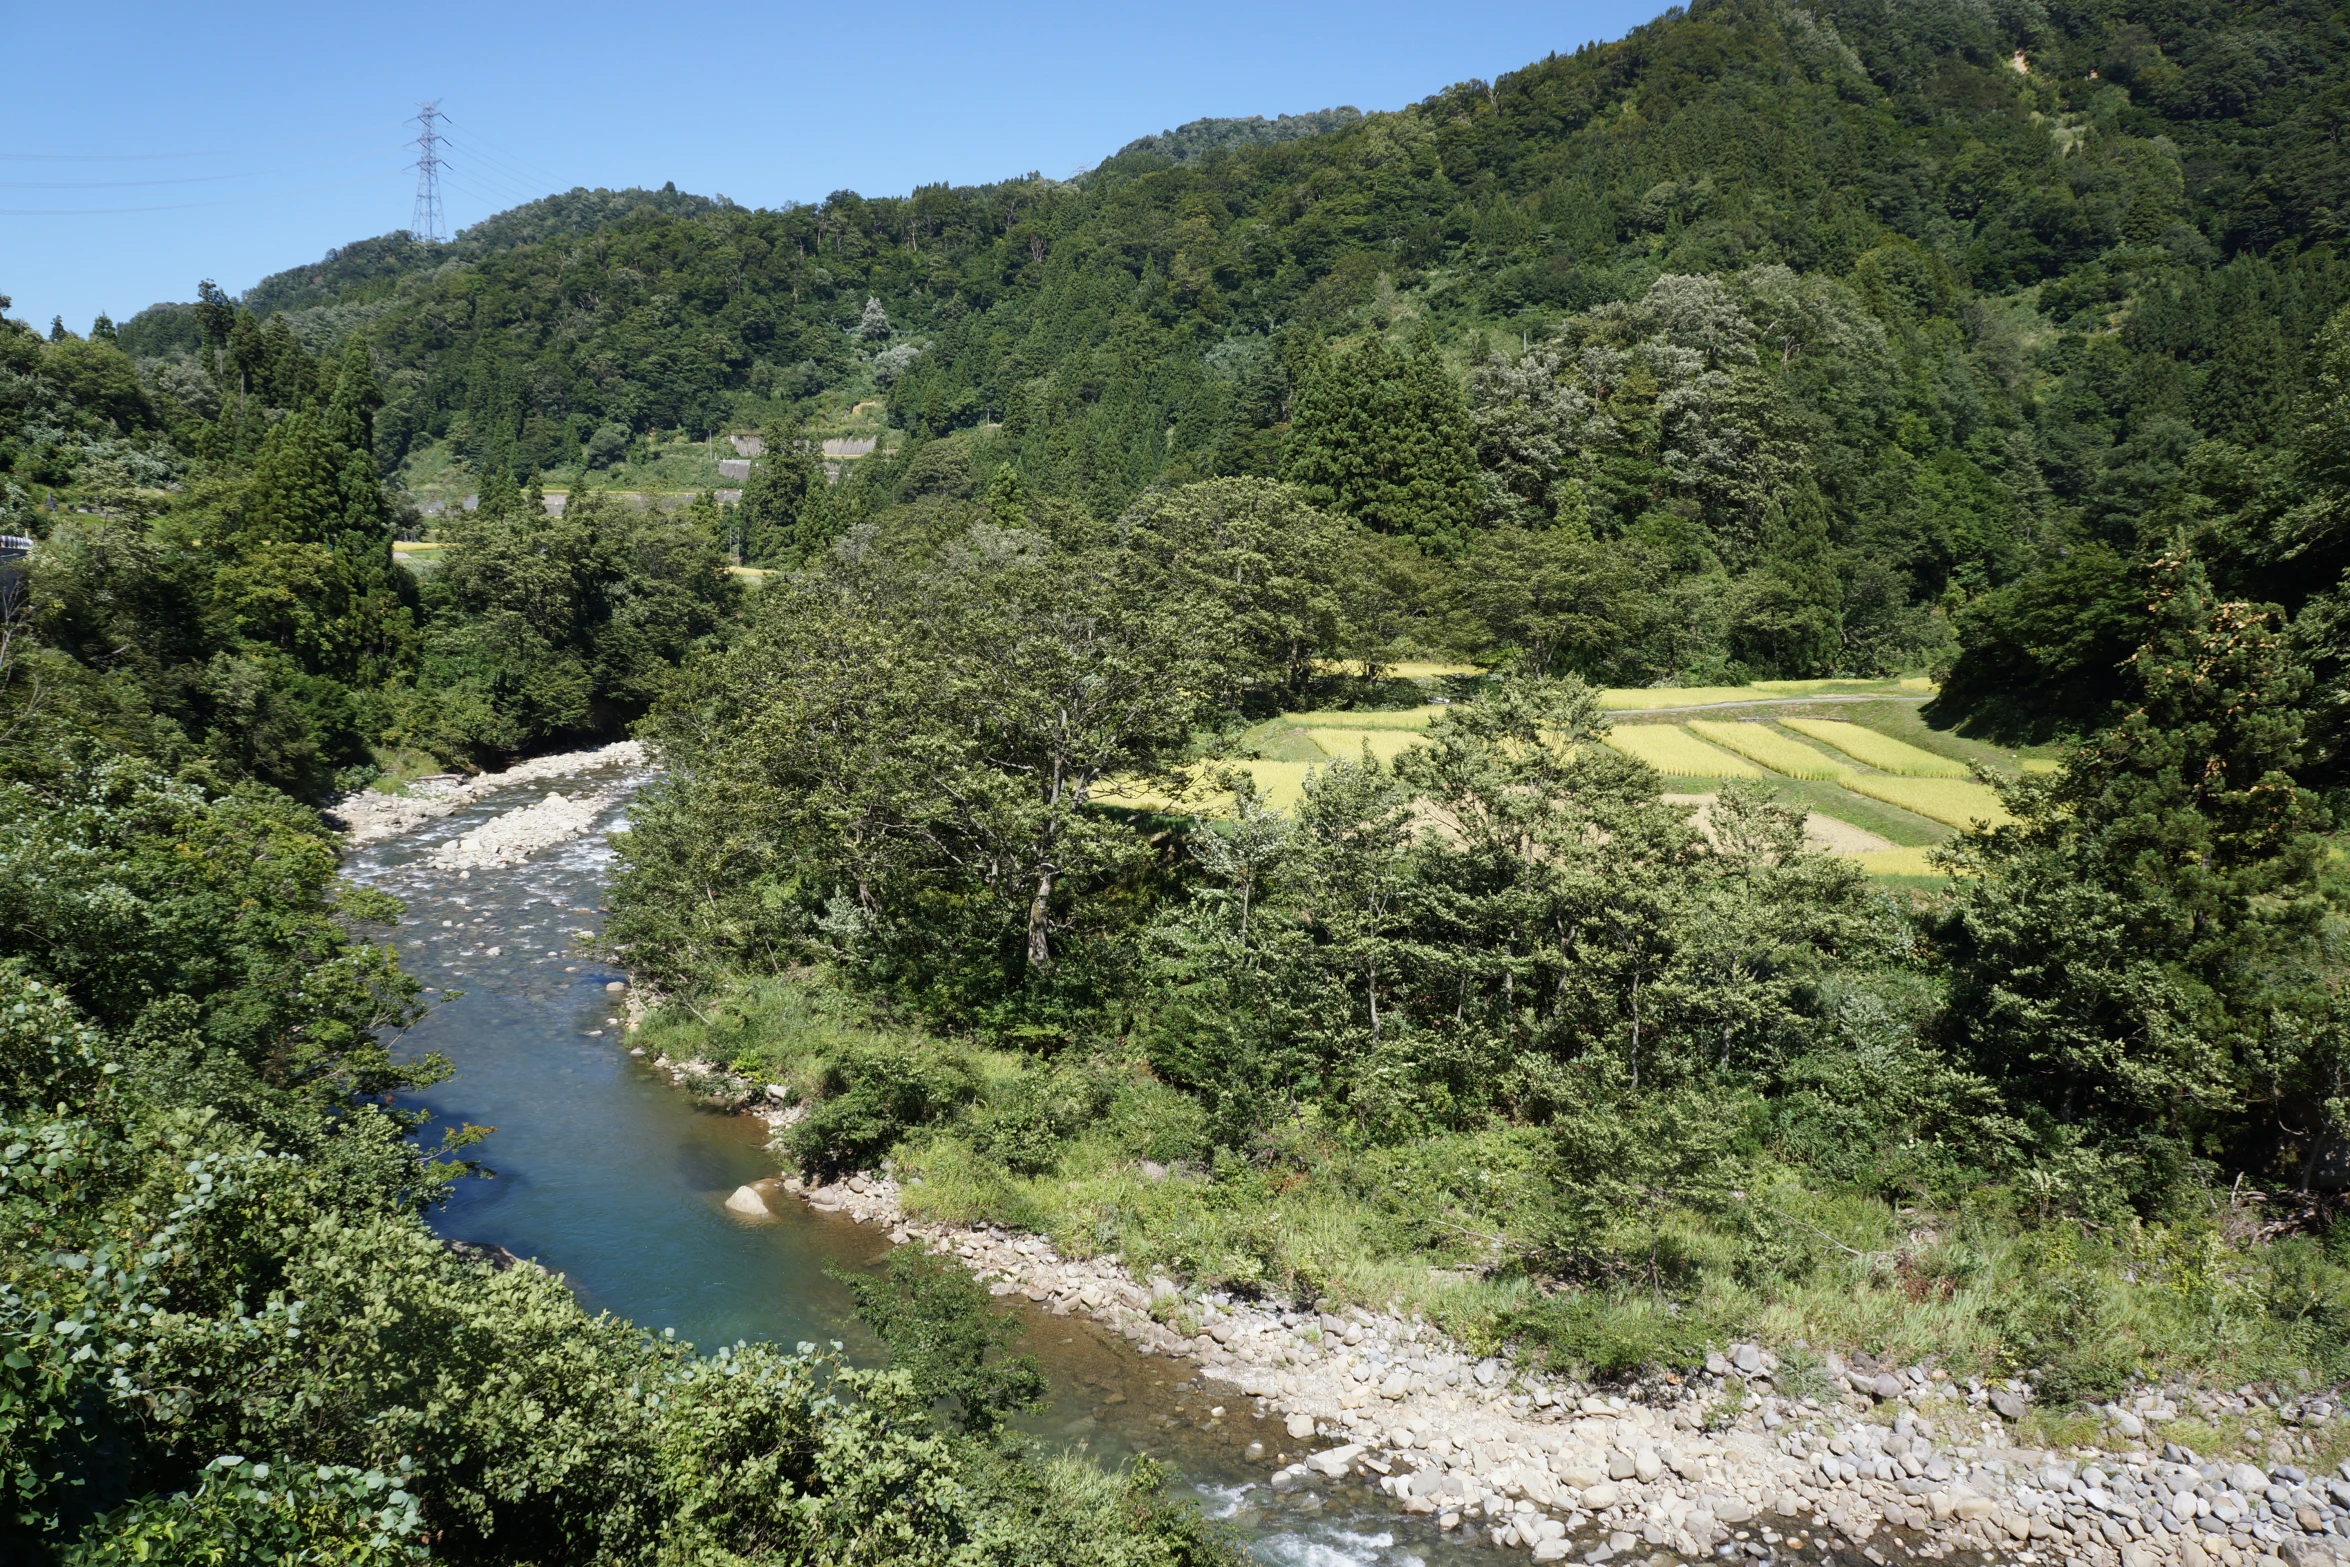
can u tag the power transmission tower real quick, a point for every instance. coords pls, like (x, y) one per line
(425, 222)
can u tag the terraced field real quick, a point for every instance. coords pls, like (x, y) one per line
(1879, 785)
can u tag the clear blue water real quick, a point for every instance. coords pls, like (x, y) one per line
(603, 1172)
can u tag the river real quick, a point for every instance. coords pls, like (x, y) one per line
(606, 1174)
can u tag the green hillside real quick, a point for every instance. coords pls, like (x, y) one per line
(1846, 330)
(1692, 699)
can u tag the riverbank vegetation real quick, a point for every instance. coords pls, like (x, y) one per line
(1496, 1031)
(1007, 824)
(227, 1333)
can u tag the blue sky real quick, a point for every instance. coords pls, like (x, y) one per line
(267, 134)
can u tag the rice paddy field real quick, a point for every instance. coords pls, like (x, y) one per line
(1774, 749)
(1855, 752)
(1347, 745)
(1955, 802)
(1676, 752)
(1880, 751)
(1413, 718)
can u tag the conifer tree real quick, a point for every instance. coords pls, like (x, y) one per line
(2139, 953)
(1384, 436)
(786, 515)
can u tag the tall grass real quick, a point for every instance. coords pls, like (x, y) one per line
(1880, 751)
(1446, 1220)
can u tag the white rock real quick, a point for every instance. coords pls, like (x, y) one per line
(746, 1201)
(1337, 1460)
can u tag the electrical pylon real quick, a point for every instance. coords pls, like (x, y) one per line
(425, 222)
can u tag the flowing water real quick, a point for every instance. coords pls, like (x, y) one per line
(609, 1176)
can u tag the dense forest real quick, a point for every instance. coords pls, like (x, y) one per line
(1872, 336)
(2005, 344)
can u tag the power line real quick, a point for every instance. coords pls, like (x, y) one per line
(426, 223)
(191, 179)
(513, 162)
(216, 152)
(188, 206)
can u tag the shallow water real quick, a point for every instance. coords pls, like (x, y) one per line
(603, 1172)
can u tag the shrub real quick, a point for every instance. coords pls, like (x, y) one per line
(872, 1100)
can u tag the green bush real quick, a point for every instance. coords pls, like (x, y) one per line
(244, 1511)
(872, 1099)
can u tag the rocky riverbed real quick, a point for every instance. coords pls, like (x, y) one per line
(369, 816)
(1870, 1461)
(1895, 1461)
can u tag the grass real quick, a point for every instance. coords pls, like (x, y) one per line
(1878, 750)
(1759, 742)
(1669, 749)
(1959, 802)
(1445, 1220)
(397, 766)
(1347, 745)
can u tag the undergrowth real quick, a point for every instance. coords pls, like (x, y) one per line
(1496, 1235)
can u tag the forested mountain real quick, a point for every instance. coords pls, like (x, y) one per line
(1197, 139)
(1825, 317)
(2004, 343)
(367, 271)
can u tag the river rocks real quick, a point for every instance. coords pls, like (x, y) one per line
(2009, 1406)
(1337, 1461)
(368, 817)
(1562, 1472)
(514, 836)
(749, 1202)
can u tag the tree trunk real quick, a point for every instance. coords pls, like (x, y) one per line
(1040, 949)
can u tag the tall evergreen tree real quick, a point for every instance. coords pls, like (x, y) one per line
(1384, 436)
(2138, 956)
(786, 515)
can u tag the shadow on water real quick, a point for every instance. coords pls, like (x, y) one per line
(605, 1174)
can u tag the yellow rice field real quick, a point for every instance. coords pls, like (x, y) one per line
(1346, 745)
(1282, 784)
(1673, 750)
(1956, 802)
(1395, 718)
(1761, 743)
(1409, 669)
(1619, 699)
(1880, 751)
(1897, 862)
